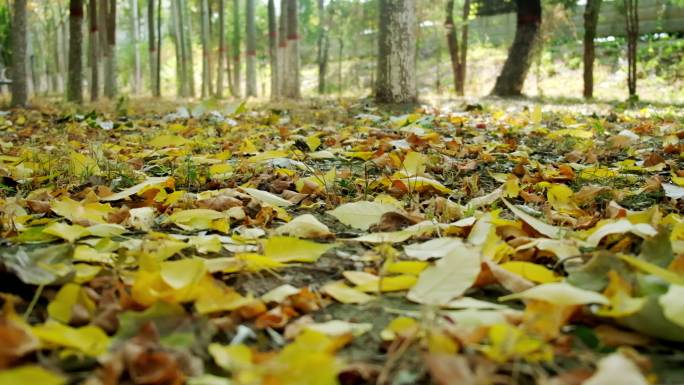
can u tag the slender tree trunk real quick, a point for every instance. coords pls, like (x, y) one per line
(282, 49)
(273, 48)
(186, 30)
(222, 49)
(94, 55)
(462, 69)
(19, 76)
(452, 43)
(236, 49)
(397, 52)
(152, 46)
(135, 33)
(632, 25)
(206, 86)
(110, 79)
(250, 53)
(159, 48)
(340, 59)
(510, 81)
(323, 46)
(591, 14)
(293, 91)
(75, 85)
(181, 81)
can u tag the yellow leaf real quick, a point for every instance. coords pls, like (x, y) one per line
(573, 132)
(304, 226)
(289, 249)
(206, 244)
(361, 215)
(337, 328)
(421, 183)
(440, 342)
(69, 233)
(359, 278)
(672, 303)
(542, 227)
(406, 267)
(255, 262)
(511, 187)
(666, 275)
(151, 181)
(531, 271)
(200, 219)
(85, 253)
(345, 294)
(90, 340)
(414, 164)
(559, 293)
(221, 170)
(400, 326)
(232, 358)
(168, 141)
(593, 173)
(313, 141)
(82, 212)
(388, 284)
(62, 306)
(248, 147)
(267, 197)
(30, 374)
(449, 278)
(213, 298)
(83, 165)
(620, 226)
(619, 293)
(506, 342)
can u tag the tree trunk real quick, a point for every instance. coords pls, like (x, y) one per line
(632, 25)
(178, 46)
(152, 46)
(236, 49)
(94, 54)
(19, 76)
(323, 46)
(510, 81)
(250, 29)
(452, 43)
(591, 14)
(397, 52)
(135, 33)
(206, 86)
(159, 47)
(282, 49)
(110, 79)
(222, 50)
(462, 69)
(272, 48)
(186, 30)
(293, 90)
(75, 84)
(340, 57)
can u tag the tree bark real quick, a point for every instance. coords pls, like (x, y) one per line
(323, 46)
(222, 49)
(19, 86)
(272, 48)
(462, 69)
(236, 49)
(510, 81)
(396, 81)
(75, 83)
(452, 43)
(293, 90)
(94, 54)
(159, 47)
(180, 50)
(110, 79)
(250, 29)
(186, 30)
(632, 26)
(152, 46)
(135, 33)
(591, 14)
(206, 86)
(282, 49)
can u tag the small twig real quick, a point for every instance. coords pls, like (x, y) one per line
(34, 301)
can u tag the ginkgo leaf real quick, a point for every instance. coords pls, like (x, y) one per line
(619, 227)
(106, 230)
(168, 141)
(69, 233)
(389, 284)
(200, 219)
(531, 271)
(672, 303)
(414, 163)
(304, 226)
(433, 249)
(559, 293)
(360, 277)
(151, 181)
(336, 328)
(267, 197)
(30, 374)
(421, 183)
(387, 237)
(280, 293)
(289, 249)
(507, 342)
(84, 213)
(617, 369)
(90, 340)
(673, 191)
(449, 278)
(62, 306)
(361, 215)
(183, 273)
(345, 294)
(542, 227)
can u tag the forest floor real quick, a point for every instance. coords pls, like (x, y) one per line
(341, 242)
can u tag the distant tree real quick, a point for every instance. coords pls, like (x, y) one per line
(222, 49)
(250, 53)
(135, 35)
(632, 27)
(75, 78)
(152, 46)
(323, 43)
(19, 76)
(206, 69)
(94, 54)
(396, 68)
(237, 92)
(110, 53)
(292, 89)
(458, 55)
(591, 15)
(273, 47)
(282, 48)
(510, 81)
